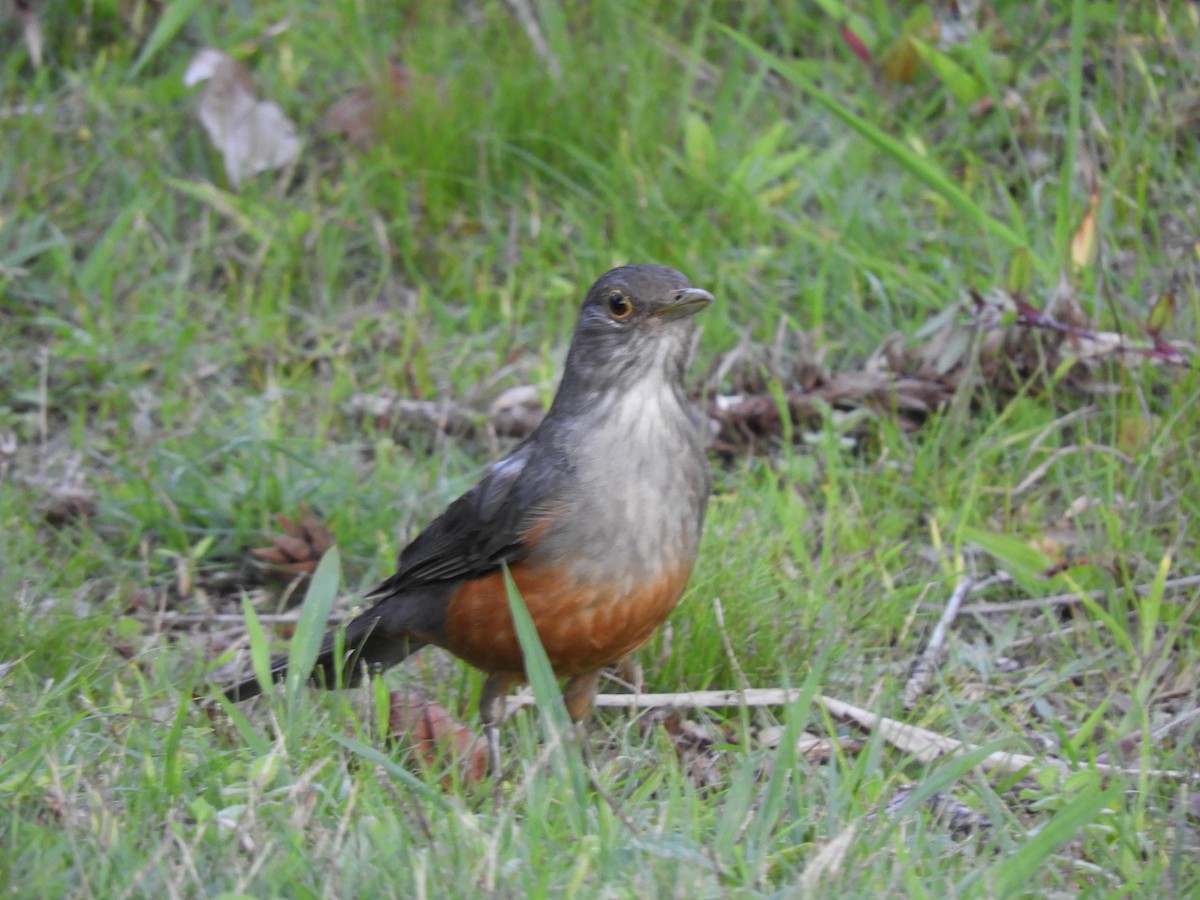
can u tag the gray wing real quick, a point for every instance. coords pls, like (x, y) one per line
(484, 528)
(481, 530)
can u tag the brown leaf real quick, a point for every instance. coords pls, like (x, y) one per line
(65, 503)
(812, 747)
(301, 546)
(901, 61)
(694, 743)
(435, 737)
(358, 114)
(1083, 241)
(252, 135)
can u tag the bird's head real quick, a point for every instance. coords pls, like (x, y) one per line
(635, 324)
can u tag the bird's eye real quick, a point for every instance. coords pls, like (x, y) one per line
(619, 306)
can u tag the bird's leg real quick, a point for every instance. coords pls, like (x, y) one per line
(629, 670)
(491, 714)
(579, 694)
(578, 697)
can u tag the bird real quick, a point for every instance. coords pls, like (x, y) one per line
(597, 516)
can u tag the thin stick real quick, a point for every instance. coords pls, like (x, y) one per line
(1042, 468)
(922, 672)
(719, 613)
(533, 30)
(925, 746)
(183, 619)
(1129, 745)
(984, 609)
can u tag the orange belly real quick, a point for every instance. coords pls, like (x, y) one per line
(583, 627)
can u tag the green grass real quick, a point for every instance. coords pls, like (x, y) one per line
(190, 353)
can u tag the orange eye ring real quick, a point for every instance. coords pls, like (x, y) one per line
(619, 306)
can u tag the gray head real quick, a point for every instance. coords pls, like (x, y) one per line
(635, 324)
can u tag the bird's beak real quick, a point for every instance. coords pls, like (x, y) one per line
(686, 302)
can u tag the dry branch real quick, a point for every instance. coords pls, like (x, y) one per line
(923, 745)
(1071, 599)
(922, 671)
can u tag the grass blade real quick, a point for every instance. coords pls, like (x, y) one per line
(250, 735)
(943, 778)
(920, 167)
(1013, 874)
(1150, 612)
(172, 760)
(537, 664)
(1063, 222)
(378, 758)
(260, 652)
(169, 24)
(551, 708)
(314, 614)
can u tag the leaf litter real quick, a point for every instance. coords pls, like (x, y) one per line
(252, 135)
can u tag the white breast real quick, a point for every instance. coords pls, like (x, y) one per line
(643, 481)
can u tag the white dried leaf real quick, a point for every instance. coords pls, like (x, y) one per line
(253, 135)
(31, 31)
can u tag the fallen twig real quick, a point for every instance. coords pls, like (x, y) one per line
(923, 667)
(1128, 746)
(1045, 465)
(719, 614)
(527, 19)
(925, 746)
(182, 620)
(443, 417)
(1087, 342)
(984, 609)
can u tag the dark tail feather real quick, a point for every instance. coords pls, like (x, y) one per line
(365, 648)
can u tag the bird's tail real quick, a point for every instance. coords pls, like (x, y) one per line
(366, 648)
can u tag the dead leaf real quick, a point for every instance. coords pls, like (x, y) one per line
(31, 30)
(358, 114)
(694, 744)
(252, 135)
(958, 818)
(65, 503)
(1162, 315)
(856, 44)
(435, 737)
(300, 547)
(997, 342)
(1083, 241)
(826, 863)
(815, 749)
